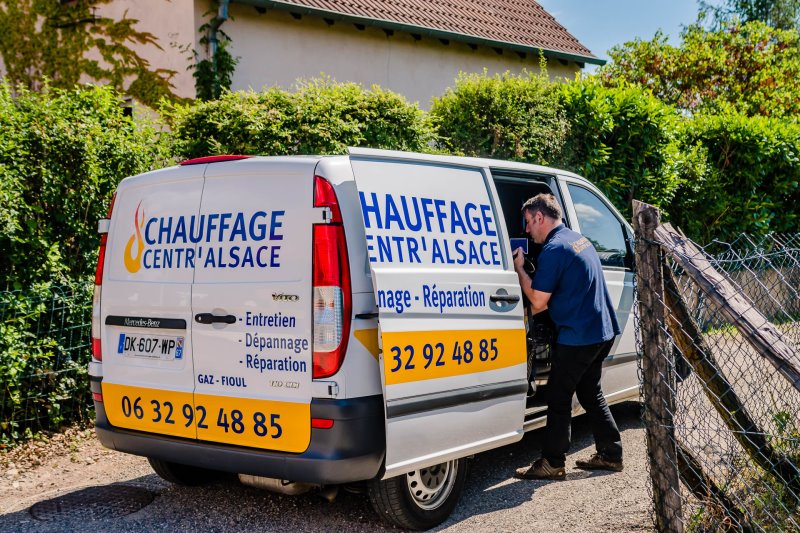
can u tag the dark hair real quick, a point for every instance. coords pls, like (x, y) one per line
(545, 204)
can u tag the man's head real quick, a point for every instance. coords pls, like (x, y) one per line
(542, 213)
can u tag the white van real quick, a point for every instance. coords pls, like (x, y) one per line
(319, 321)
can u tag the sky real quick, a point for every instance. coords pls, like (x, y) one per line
(601, 24)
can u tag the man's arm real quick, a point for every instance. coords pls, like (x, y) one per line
(538, 299)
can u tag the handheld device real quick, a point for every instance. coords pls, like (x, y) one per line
(521, 242)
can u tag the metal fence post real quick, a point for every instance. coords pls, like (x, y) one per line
(658, 380)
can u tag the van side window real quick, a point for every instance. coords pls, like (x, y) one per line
(513, 190)
(601, 226)
(512, 194)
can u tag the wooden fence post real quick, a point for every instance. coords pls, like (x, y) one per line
(720, 393)
(705, 489)
(764, 337)
(658, 380)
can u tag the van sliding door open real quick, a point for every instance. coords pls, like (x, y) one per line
(453, 355)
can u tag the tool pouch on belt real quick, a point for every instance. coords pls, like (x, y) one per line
(540, 339)
(542, 330)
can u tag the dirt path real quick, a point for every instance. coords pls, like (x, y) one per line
(493, 501)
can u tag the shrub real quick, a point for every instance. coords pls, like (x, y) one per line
(625, 141)
(751, 181)
(61, 155)
(321, 117)
(622, 139)
(44, 351)
(501, 116)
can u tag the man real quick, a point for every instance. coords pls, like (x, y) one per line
(569, 283)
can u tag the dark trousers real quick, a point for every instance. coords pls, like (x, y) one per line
(576, 370)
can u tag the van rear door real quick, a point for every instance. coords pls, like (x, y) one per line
(251, 302)
(146, 316)
(453, 355)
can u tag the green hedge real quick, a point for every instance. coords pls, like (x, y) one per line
(503, 117)
(62, 153)
(622, 139)
(750, 182)
(321, 117)
(625, 141)
(715, 176)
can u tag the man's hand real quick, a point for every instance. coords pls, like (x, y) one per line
(519, 259)
(538, 299)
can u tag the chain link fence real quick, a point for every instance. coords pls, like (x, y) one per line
(719, 328)
(45, 347)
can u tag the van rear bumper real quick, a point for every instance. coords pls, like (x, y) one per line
(352, 450)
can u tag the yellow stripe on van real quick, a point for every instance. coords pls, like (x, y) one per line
(150, 410)
(421, 355)
(273, 425)
(369, 338)
(255, 423)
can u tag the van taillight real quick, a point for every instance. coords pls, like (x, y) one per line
(331, 297)
(97, 352)
(101, 259)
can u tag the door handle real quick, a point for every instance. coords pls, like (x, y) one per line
(208, 318)
(511, 298)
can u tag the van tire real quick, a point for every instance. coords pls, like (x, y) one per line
(395, 503)
(183, 474)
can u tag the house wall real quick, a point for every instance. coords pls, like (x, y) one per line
(276, 49)
(174, 24)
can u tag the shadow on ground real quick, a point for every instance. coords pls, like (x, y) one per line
(492, 487)
(228, 506)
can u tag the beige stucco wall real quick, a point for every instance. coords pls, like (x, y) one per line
(276, 49)
(174, 24)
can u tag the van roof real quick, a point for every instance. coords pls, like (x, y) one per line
(460, 160)
(399, 155)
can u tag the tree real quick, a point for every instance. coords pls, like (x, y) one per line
(747, 67)
(781, 14)
(62, 42)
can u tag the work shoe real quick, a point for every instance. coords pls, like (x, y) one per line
(598, 462)
(541, 469)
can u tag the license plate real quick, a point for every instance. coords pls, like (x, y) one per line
(164, 347)
(255, 423)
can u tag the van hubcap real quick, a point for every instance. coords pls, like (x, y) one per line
(431, 486)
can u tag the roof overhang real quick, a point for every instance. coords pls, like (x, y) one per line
(420, 30)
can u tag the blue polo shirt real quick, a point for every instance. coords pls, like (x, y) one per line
(570, 270)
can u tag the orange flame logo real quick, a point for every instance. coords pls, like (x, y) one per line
(134, 263)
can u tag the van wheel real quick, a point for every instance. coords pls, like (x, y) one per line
(183, 474)
(421, 499)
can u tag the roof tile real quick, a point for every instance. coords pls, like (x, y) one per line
(518, 22)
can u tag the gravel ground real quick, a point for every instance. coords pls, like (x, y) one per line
(493, 500)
